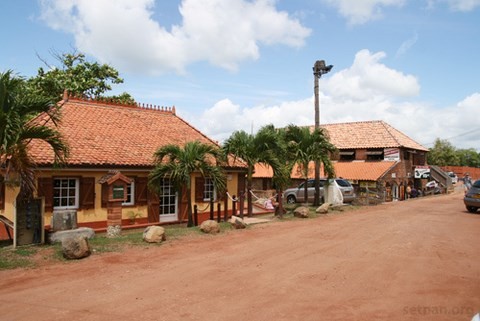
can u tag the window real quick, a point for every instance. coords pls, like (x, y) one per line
(375, 154)
(204, 189)
(208, 190)
(130, 194)
(168, 198)
(65, 193)
(347, 155)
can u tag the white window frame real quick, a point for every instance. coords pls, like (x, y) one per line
(166, 184)
(77, 192)
(131, 193)
(209, 188)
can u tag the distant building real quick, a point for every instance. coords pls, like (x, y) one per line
(370, 154)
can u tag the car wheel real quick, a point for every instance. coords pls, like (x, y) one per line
(291, 199)
(472, 209)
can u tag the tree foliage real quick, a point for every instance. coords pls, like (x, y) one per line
(18, 128)
(468, 157)
(305, 146)
(79, 76)
(178, 164)
(443, 153)
(263, 147)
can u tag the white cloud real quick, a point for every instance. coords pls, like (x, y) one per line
(123, 32)
(406, 45)
(220, 121)
(456, 5)
(463, 5)
(368, 78)
(367, 90)
(362, 11)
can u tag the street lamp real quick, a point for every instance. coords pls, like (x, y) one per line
(319, 69)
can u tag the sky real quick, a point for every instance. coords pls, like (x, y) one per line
(230, 65)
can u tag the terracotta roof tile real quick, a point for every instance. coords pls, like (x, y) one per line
(101, 134)
(369, 134)
(357, 170)
(368, 171)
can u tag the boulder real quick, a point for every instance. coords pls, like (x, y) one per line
(301, 212)
(154, 234)
(210, 227)
(323, 209)
(76, 247)
(59, 236)
(237, 222)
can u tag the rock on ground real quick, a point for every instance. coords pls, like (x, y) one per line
(210, 227)
(237, 222)
(61, 235)
(114, 231)
(323, 209)
(76, 247)
(301, 212)
(154, 234)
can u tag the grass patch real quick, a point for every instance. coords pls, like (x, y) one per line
(102, 244)
(16, 258)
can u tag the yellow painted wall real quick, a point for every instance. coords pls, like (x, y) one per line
(10, 196)
(232, 182)
(98, 213)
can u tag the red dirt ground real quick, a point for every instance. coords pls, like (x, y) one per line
(412, 260)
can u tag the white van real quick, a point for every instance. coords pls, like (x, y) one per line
(454, 177)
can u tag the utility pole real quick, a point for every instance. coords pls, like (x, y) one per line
(319, 69)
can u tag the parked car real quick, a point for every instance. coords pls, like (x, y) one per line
(454, 177)
(297, 194)
(472, 197)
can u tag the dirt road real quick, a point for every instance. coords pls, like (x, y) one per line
(413, 260)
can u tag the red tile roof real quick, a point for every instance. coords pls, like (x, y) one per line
(357, 170)
(367, 171)
(102, 134)
(369, 134)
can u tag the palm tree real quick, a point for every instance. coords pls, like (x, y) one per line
(259, 148)
(178, 164)
(305, 146)
(19, 126)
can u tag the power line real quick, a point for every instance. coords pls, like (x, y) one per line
(459, 135)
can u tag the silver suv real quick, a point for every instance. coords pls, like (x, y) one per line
(297, 194)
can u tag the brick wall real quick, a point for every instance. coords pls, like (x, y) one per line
(461, 170)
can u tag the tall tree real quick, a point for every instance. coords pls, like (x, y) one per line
(281, 172)
(19, 127)
(179, 163)
(443, 153)
(254, 148)
(305, 146)
(80, 77)
(468, 157)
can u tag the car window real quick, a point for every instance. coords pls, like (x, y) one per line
(343, 183)
(477, 184)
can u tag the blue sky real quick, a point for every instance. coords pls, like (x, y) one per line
(231, 65)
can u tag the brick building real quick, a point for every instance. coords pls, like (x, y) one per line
(371, 154)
